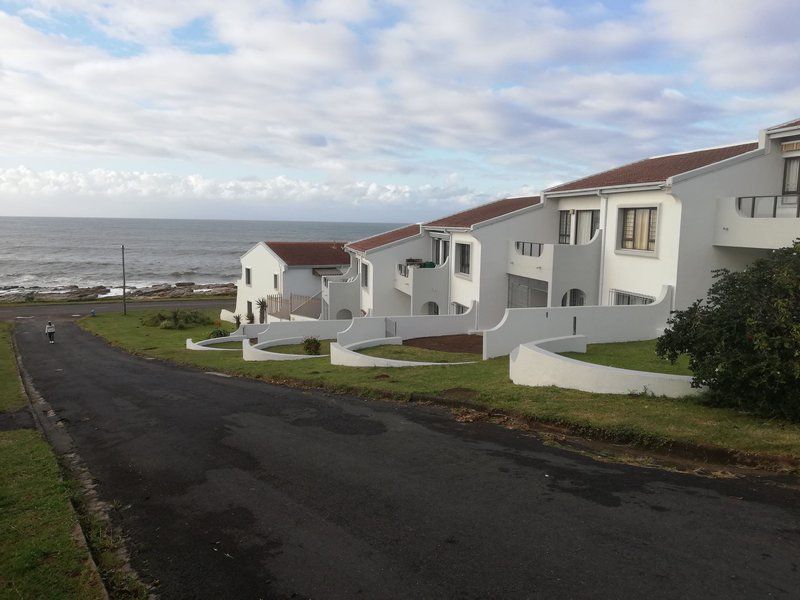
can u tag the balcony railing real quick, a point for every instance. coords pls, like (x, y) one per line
(528, 248)
(769, 207)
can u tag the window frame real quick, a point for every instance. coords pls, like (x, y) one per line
(564, 227)
(616, 294)
(460, 248)
(787, 162)
(652, 234)
(248, 276)
(275, 280)
(458, 308)
(364, 275)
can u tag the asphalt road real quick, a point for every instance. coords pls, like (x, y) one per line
(230, 488)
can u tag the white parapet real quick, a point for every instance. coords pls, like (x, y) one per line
(322, 330)
(599, 323)
(210, 343)
(537, 364)
(348, 356)
(259, 352)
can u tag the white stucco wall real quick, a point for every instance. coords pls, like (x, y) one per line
(761, 174)
(537, 364)
(323, 330)
(380, 296)
(263, 265)
(597, 323)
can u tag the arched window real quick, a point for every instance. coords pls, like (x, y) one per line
(344, 314)
(574, 297)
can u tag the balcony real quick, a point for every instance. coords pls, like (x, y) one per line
(766, 222)
(562, 266)
(341, 297)
(425, 284)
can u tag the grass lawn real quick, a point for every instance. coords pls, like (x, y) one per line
(229, 345)
(325, 348)
(39, 555)
(645, 421)
(637, 356)
(11, 395)
(419, 354)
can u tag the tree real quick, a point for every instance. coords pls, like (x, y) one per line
(261, 303)
(743, 341)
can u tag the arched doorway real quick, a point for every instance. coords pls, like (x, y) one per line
(344, 314)
(430, 308)
(574, 297)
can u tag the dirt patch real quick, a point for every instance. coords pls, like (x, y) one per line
(460, 394)
(471, 344)
(382, 376)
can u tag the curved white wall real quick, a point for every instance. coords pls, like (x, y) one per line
(348, 356)
(536, 364)
(598, 323)
(258, 352)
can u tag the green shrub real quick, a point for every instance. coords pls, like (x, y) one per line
(217, 333)
(743, 341)
(251, 318)
(176, 319)
(311, 345)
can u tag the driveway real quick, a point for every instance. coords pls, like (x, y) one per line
(230, 488)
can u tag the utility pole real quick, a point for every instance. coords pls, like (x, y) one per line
(124, 299)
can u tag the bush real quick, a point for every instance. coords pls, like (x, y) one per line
(176, 319)
(311, 345)
(251, 318)
(217, 333)
(743, 342)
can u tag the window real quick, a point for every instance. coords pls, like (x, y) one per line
(364, 274)
(528, 248)
(441, 250)
(249, 308)
(247, 276)
(574, 297)
(430, 308)
(564, 226)
(620, 298)
(459, 309)
(587, 223)
(639, 229)
(791, 176)
(462, 259)
(275, 280)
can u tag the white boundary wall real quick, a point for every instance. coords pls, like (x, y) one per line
(536, 364)
(348, 356)
(323, 330)
(258, 352)
(210, 343)
(407, 327)
(598, 323)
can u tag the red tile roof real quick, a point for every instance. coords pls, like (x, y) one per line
(376, 241)
(485, 212)
(795, 123)
(660, 168)
(307, 254)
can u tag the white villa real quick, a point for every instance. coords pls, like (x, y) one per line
(287, 275)
(604, 258)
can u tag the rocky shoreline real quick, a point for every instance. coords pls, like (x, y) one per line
(73, 293)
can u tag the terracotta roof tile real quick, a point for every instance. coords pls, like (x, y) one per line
(795, 123)
(307, 254)
(376, 241)
(651, 170)
(485, 212)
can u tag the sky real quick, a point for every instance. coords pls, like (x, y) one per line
(359, 110)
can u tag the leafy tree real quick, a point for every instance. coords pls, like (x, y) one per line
(743, 341)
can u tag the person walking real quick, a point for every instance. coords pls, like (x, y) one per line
(50, 330)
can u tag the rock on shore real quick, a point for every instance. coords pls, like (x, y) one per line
(74, 293)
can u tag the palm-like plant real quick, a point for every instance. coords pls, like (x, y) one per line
(261, 303)
(237, 320)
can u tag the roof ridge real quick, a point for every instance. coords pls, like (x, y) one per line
(720, 147)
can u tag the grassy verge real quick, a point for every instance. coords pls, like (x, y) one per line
(11, 395)
(651, 422)
(40, 552)
(419, 354)
(638, 356)
(324, 348)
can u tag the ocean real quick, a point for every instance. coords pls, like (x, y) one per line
(47, 253)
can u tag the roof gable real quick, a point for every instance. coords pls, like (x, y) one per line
(655, 170)
(307, 254)
(486, 212)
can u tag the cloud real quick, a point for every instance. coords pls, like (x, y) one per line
(506, 94)
(26, 192)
